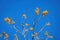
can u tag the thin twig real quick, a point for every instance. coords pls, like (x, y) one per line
(42, 29)
(17, 29)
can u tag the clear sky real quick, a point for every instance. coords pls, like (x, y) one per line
(15, 8)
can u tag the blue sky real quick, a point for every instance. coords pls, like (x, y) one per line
(15, 8)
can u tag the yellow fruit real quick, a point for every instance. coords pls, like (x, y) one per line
(37, 11)
(31, 28)
(26, 24)
(7, 20)
(45, 13)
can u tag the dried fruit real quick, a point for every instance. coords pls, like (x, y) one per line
(46, 34)
(47, 24)
(24, 16)
(15, 37)
(5, 35)
(13, 22)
